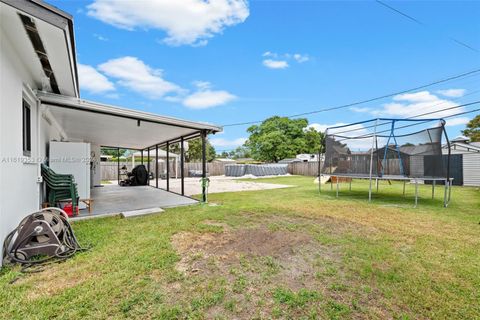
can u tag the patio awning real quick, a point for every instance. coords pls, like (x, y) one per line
(106, 125)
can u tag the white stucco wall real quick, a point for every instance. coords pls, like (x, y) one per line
(20, 192)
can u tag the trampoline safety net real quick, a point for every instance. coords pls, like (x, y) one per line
(386, 147)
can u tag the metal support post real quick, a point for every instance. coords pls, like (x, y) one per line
(416, 193)
(433, 188)
(319, 169)
(182, 165)
(204, 166)
(371, 161)
(337, 187)
(168, 166)
(450, 183)
(156, 166)
(148, 165)
(118, 166)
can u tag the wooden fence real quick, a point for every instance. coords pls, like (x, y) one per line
(392, 167)
(303, 168)
(109, 169)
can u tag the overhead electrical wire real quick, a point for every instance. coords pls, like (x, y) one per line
(368, 135)
(401, 13)
(462, 75)
(337, 134)
(415, 20)
(412, 117)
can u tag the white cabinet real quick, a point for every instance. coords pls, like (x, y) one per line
(72, 158)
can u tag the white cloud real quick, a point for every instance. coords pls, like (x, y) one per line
(274, 60)
(322, 127)
(412, 104)
(452, 93)
(189, 22)
(135, 75)
(356, 130)
(206, 98)
(359, 128)
(275, 64)
(361, 109)
(93, 81)
(100, 37)
(300, 58)
(202, 85)
(225, 143)
(457, 121)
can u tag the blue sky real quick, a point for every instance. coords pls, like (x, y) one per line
(230, 61)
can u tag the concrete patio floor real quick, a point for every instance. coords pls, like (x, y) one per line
(113, 199)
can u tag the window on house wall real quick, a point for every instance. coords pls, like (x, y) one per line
(27, 129)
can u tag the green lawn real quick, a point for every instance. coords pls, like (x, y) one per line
(285, 253)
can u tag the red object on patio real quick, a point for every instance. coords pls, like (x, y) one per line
(69, 210)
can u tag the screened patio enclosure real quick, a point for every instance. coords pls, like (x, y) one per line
(118, 128)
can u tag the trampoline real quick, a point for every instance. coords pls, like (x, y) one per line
(407, 150)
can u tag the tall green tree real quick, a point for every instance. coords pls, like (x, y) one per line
(473, 129)
(314, 141)
(194, 152)
(240, 152)
(278, 138)
(112, 152)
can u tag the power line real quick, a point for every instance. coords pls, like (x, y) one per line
(458, 42)
(401, 13)
(420, 115)
(368, 135)
(365, 101)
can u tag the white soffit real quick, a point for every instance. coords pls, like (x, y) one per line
(12, 28)
(117, 127)
(55, 41)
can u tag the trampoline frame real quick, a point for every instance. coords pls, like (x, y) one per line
(380, 176)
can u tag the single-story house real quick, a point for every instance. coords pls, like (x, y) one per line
(465, 156)
(307, 157)
(289, 160)
(40, 103)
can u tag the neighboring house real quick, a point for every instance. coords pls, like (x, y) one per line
(290, 160)
(462, 145)
(306, 157)
(40, 102)
(468, 154)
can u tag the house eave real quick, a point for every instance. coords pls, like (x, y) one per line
(55, 17)
(90, 106)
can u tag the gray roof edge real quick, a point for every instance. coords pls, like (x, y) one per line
(80, 104)
(464, 145)
(56, 17)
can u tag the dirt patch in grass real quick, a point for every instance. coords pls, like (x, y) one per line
(230, 246)
(270, 269)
